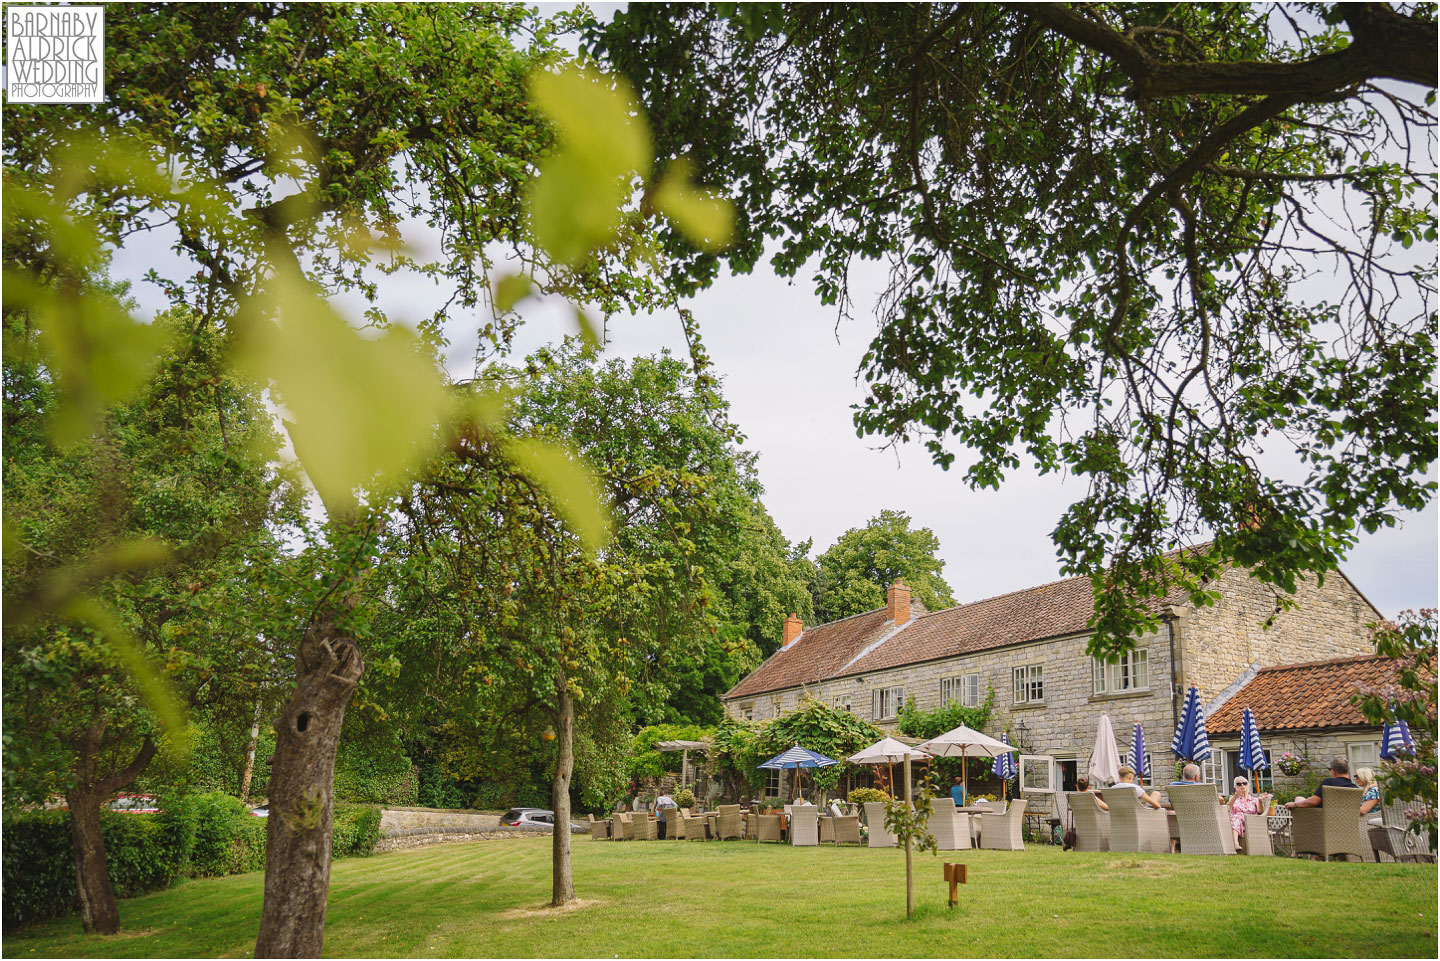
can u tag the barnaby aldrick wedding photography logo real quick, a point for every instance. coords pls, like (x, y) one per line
(55, 54)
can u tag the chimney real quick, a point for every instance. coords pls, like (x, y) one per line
(792, 630)
(898, 601)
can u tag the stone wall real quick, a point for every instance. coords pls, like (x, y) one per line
(394, 820)
(414, 827)
(1218, 644)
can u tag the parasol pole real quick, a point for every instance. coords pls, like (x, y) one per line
(909, 864)
(964, 777)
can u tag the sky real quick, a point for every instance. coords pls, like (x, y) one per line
(789, 373)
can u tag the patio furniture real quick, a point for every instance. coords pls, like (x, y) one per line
(875, 822)
(1001, 832)
(1279, 824)
(1092, 825)
(847, 829)
(674, 824)
(767, 827)
(805, 826)
(997, 807)
(694, 827)
(641, 827)
(1393, 839)
(618, 831)
(1203, 821)
(950, 828)
(1134, 825)
(827, 828)
(1332, 830)
(712, 825)
(599, 830)
(728, 822)
(1256, 839)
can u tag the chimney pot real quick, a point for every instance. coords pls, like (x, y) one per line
(793, 628)
(898, 602)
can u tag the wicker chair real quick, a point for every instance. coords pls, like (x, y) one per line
(618, 831)
(875, 822)
(1393, 839)
(1333, 829)
(950, 828)
(1134, 825)
(1001, 832)
(728, 823)
(805, 825)
(1092, 825)
(599, 830)
(767, 827)
(998, 807)
(1256, 839)
(827, 828)
(847, 829)
(674, 824)
(1204, 822)
(642, 827)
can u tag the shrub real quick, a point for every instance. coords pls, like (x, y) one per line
(530, 796)
(228, 840)
(771, 803)
(355, 831)
(685, 798)
(863, 795)
(492, 796)
(368, 775)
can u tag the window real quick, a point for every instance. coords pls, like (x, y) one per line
(1029, 684)
(775, 707)
(842, 703)
(887, 702)
(1037, 773)
(964, 688)
(1262, 781)
(747, 711)
(772, 783)
(1128, 673)
(1363, 754)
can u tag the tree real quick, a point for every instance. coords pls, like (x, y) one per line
(854, 572)
(1183, 251)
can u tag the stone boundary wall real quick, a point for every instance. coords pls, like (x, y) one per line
(415, 827)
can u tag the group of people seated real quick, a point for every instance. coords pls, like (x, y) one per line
(1242, 802)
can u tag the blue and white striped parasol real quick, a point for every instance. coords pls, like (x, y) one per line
(1252, 756)
(1004, 767)
(1396, 741)
(1138, 760)
(1191, 743)
(797, 756)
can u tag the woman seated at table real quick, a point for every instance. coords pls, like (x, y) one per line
(1370, 800)
(1241, 804)
(1083, 786)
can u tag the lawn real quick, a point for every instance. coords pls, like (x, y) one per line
(683, 899)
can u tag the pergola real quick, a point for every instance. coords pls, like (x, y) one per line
(686, 747)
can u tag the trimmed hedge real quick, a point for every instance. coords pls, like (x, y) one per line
(202, 835)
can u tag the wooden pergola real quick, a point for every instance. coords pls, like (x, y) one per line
(686, 747)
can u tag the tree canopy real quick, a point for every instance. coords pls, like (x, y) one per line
(851, 576)
(1183, 251)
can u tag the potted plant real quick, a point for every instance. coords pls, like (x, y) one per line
(1289, 764)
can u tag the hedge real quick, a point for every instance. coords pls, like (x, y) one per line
(202, 835)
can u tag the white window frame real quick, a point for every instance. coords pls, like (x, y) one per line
(1027, 677)
(1121, 675)
(895, 694)
(747, 711)
(1354, 764)
(772, 783)
(962, 688)
(1034, 764)
(841, 702)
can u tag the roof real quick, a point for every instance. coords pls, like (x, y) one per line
(819, 652)
(1312, 695)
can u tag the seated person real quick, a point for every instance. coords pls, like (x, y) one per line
(1244, 803)
(1190, 774)
(1127, 780)
(1339, 777)
(1370, 800)
(1083, 786)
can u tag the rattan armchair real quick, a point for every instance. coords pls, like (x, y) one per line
(1135, 825)
(1333, 829)
(1203, 821)
(674, 824)
(599, 830)
(804, 825)
(1393, 838)
(1002, 832)
(694, 827)
(641, 827)
(728, 824)
(768, 827)
(880, 836)
(1256, 839)
(827, 828)
(996, 807)
(847, 829)
(1092, 825)
(950, 828)
(618, 831)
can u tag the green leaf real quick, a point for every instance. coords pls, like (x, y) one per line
(569, 483)
(510, 290)
(704, 216)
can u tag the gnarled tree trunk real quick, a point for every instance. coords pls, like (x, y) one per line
(562, 885)
(250, 748)
(98, 911)
(307, 733)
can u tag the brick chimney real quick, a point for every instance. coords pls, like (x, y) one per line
(792, 630)
(898, 601)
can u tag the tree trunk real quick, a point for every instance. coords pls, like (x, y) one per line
(98, 911)
(909, 863)
(249, 771)
(297, 833)
(562, 889)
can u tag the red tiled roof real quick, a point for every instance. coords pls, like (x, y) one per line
(1050, 610)
(817, 653)
(1297, 696)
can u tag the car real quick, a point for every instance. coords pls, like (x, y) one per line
(533, 819)
(135, 804)
(259, 812)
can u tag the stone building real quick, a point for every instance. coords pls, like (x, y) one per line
(1029, 647)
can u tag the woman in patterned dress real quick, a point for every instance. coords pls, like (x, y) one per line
(1243, 803)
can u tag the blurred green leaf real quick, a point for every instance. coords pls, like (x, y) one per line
(588, 333)
(364, 410)
(704, 216)
(577, 200)
(569, 483)
(510, 290)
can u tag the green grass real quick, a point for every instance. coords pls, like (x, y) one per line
(688, 899)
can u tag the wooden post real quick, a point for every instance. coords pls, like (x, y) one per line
(909, 863)
(956, 874)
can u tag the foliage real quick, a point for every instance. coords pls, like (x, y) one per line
(685, 798)
(862, 795)
(1150, 306)
(356, 830)
(648, 761)
(740, 746)
(1411, 641)
(227, 838)
(927, 724)
(854, 572)
(369, 774)
(912, 823)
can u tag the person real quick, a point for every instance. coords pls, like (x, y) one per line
(1370, 800)
(1190, 774)
(1083, 786)
(957, 792)
(661, 803)
(1339, 777)
(1127, 780)
(1243, 803)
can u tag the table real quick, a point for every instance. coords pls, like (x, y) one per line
(1281, 839)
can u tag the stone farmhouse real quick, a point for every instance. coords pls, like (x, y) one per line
(1029, 647)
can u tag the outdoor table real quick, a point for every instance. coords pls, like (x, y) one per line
(1279, 824)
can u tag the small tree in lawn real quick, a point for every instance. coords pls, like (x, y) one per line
(909, 821)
